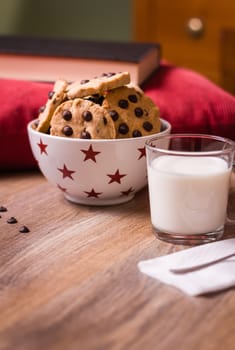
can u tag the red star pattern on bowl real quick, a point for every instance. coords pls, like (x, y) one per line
(116, 177)
(92, 172)
(66, 172)
(42, 147)
(93, 193)
(90, 154)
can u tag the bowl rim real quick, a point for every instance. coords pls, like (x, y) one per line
(165, 122)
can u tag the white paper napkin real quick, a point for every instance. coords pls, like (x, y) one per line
(208, 268)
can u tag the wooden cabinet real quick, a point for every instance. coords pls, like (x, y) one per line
(197, 34)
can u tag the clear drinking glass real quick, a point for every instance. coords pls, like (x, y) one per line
(189, 177)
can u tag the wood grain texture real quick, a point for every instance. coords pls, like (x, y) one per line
(72, 282)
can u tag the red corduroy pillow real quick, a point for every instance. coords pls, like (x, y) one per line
(186, 99)
(192, 103)
(20, 102)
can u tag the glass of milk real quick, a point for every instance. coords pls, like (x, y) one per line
(188, 180)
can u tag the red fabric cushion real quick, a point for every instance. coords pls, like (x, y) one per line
(186, 99)
(191, 103)
(20, 101)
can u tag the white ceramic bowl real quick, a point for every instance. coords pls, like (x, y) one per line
(93, 172)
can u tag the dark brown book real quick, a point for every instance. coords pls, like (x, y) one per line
(47, 59)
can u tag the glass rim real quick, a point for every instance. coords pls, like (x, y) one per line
(222, 139)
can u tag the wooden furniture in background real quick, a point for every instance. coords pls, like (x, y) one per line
(194, 34)
(72, 282)
(227, 58)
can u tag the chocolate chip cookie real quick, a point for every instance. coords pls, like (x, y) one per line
(83, 119)
(55, 98)
(97, 85)
(134, 114)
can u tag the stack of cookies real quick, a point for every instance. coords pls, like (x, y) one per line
(105, 107)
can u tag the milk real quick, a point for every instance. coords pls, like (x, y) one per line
(188, 195)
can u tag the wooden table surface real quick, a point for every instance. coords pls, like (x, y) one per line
(72, 282)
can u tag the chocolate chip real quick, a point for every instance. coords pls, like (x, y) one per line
(98, 99)
(110, 74)
(105, 121)
(114, 115)
(139, 112)
(3, 209)
(87, 116)
(12, 220)
(136, 133)
(123, 104)
(24, 229)
(123, 128)
(85, 135)
(132, 98)
(67, 130)
(84, 81)
(51, 94)
(67, 115)
(41, 109)
(147, 126)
